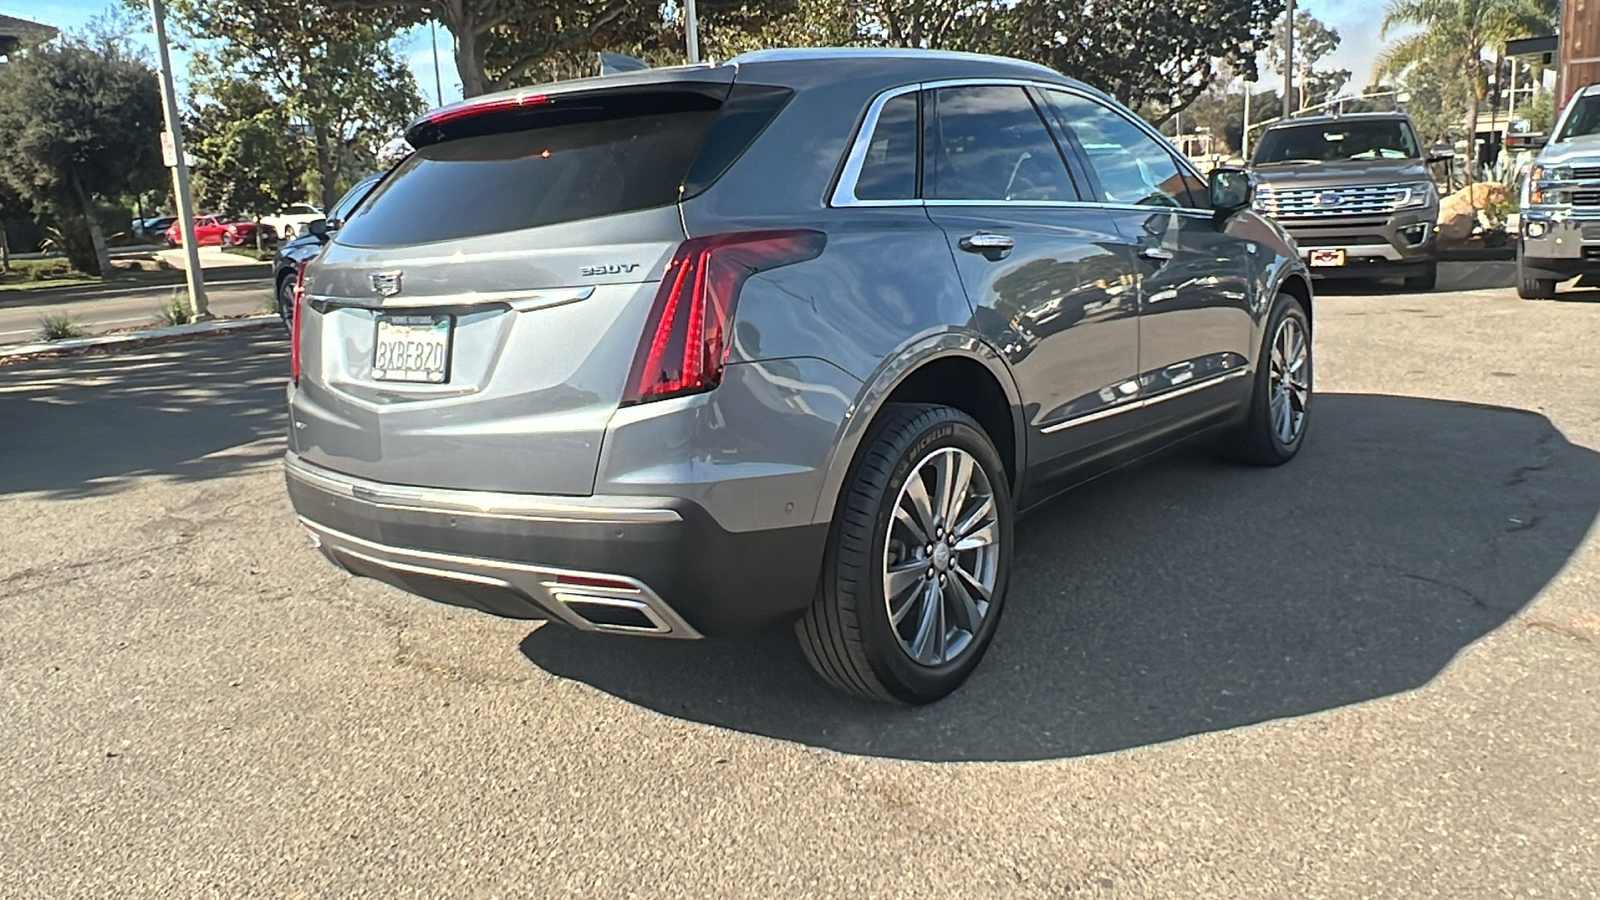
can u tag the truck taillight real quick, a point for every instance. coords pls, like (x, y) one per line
(685, 342)
(296, 316)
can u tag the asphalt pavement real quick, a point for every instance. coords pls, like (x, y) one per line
(100, 309)
(1374, 672)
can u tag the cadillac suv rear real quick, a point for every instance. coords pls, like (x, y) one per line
(681, 352)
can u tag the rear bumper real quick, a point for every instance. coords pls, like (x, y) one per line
(641, 565)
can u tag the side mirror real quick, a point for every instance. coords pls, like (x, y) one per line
(319, 228)
(1232, 190)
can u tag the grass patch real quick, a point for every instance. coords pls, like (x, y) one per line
(36, 274)
(59, 326)
(176, 310)
(250, 253)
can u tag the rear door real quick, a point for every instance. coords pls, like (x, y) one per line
(1047, 275)
(1195, 322)
(472, 324)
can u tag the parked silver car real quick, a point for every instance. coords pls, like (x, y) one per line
(685, 351)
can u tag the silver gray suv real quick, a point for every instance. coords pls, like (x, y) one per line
(685, 351)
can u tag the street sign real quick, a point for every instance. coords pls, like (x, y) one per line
(169, 157)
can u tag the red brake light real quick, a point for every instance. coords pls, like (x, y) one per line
(294, 325)
(685, 341)
(462, 110)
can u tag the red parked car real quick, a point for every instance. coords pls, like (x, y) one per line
(214, 230)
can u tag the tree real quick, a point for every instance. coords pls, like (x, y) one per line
(248, 154)
(334, 74)
(1454, 37)
(1156, 58)
(1313, 40)
(79, 118)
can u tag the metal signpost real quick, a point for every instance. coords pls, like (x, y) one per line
(691, 27)
(180, 169)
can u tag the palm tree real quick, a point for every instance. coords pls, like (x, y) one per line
(1455, 35)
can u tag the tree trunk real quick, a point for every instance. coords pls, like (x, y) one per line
(1472, 136)
(97, 237)
(470, 52)
(325, 167)
(5, 248)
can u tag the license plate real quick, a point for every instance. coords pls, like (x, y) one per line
(413, 348)
(1327, 258)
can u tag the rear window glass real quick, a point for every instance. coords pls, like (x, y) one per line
(493, 183)
(889, 171)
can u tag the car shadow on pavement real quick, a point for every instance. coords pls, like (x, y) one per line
(81, 425)
(1190, 596)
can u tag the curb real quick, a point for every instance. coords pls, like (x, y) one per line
(145, 337)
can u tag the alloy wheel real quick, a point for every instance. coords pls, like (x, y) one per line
(1289, 377)
(942, 556)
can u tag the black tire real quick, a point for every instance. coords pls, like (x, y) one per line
(1256, 441)
(1427, 281)
(288, 233)
(285, 300)
(1532, 288)
(847, 635)
(227, 240)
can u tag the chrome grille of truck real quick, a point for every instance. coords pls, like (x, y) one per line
(1586, 198)
(1586, 173)
(1367, 200)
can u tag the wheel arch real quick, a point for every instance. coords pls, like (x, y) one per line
(956, 370)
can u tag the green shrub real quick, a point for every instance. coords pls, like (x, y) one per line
(176, 310)
(59, 326)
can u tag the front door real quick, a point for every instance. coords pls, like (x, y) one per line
(1048, 278)
(1195, 321)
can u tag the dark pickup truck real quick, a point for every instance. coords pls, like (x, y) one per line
(1355, 193)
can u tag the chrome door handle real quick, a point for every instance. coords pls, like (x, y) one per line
(1160, 254)
(987, 244)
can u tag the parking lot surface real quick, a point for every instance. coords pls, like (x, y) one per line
(1374, 672)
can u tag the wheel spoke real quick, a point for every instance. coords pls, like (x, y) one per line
(958, 489)
(916, 491)
(978, 538)
(943, 476)
(973, 584)
(903, 576)
(928, 623)
(969, 616)
(908, 519)
(897, 614)
(975, 518)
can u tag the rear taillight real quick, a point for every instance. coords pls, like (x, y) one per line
(685, 341)
(296, 315)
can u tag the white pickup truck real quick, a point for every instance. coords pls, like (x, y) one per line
(292, 220)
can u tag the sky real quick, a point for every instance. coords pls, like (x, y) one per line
(1356, 21)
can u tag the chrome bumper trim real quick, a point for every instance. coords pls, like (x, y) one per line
(548, 588)
(488, 504)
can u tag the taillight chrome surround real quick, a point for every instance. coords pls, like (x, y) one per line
(297, 313)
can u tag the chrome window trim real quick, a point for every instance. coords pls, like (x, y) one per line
(1146, 402)
(844, 195)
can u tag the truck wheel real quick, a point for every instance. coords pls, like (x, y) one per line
(915, 572)
(1532, 288)
(1427, 281)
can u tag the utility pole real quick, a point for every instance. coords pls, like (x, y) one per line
(438, 86)
(1244, 132)
(691, 27)
(180, 169)
(1288, 61)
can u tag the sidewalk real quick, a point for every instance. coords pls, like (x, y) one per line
(143, 337)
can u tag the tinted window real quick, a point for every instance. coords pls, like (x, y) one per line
(890, 170)
(341, 210)
(493, 183)
(1132, 166)
(1337, 140)
(989, 143)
